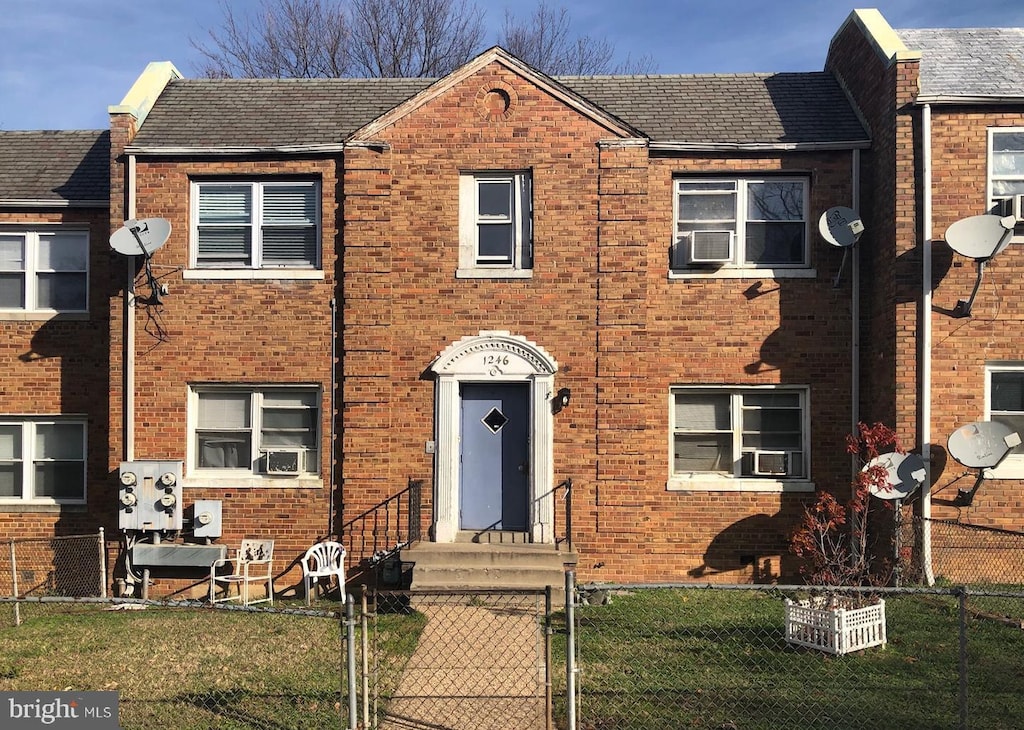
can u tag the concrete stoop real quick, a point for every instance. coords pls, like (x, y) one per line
(488, 565)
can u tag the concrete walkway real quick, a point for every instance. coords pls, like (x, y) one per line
(476, 666)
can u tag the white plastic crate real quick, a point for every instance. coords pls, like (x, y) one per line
(833, 625)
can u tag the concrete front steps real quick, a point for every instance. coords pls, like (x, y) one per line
(498, 561)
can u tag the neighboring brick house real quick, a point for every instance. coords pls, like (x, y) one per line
(945, 109)
(443, 300)
(54, 324)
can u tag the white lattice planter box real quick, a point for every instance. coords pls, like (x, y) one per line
(834, 625)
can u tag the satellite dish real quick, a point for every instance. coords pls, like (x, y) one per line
(980, 237)
(980, 445)
(905, 474)
(141, 237)
(840, 226)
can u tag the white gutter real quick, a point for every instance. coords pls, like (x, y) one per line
(129, 328)
(926, 342)
(34, 203)
(759, 146)
(970, 100)
(283, 149)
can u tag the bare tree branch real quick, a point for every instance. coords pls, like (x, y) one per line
(409, 38)
(284, 39)
(391, 38)
(544, 41)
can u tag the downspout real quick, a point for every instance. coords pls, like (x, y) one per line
(334, 352)
(855, 313)
(926, 342)
(128, 398)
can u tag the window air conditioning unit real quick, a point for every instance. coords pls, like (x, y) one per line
(711, 247)
(1013, 205)
(771, 463)
(283, 462)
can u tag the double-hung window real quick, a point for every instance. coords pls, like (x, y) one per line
(1005, 385)
(1006, 173)
(42, 460)
(255, 224)
(756, 433)
(740, 222)
(44, 270)
(269, 431)
(495, 224)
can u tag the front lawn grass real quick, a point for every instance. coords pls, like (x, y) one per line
(194, 668)
(668, 658)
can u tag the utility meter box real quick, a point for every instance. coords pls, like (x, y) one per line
(149, 497)
(206, 518)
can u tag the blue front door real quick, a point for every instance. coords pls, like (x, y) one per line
(495, 466)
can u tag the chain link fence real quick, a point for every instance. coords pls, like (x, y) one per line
(464, 660)
(624, 656)
(718, 657)
(183, 664)
(474, 659)
(974, 555)
(74, 566)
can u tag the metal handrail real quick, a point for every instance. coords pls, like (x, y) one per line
(381, 531)
(566, 484)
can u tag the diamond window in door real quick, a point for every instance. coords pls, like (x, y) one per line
(494, 420)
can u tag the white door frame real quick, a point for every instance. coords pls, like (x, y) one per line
(493, 356)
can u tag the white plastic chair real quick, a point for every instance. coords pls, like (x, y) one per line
(322, 561)
(251, 564)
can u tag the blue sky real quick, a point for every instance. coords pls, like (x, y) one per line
(63, 62)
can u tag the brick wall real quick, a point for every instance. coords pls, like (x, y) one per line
(963, 346)
(886, 95)
(214, 331)
(601, 303)
(59, 366)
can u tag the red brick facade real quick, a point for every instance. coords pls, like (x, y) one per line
(600, 300)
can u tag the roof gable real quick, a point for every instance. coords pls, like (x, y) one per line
(496, 55)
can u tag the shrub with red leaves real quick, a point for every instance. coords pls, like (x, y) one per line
(832, 537)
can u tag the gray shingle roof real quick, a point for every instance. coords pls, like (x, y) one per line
(268, 112)
(761, 108)
(703, 109)
(58, 166)
(975, 62)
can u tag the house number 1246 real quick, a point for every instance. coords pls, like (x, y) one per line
(495, 359)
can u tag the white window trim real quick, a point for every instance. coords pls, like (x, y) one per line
(1013, 465)
(739, 267)
(1018, 234)
(28, 440)
(31, 271)
(522, 266)
(256, 269)
(708, 482)
(243, 478)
